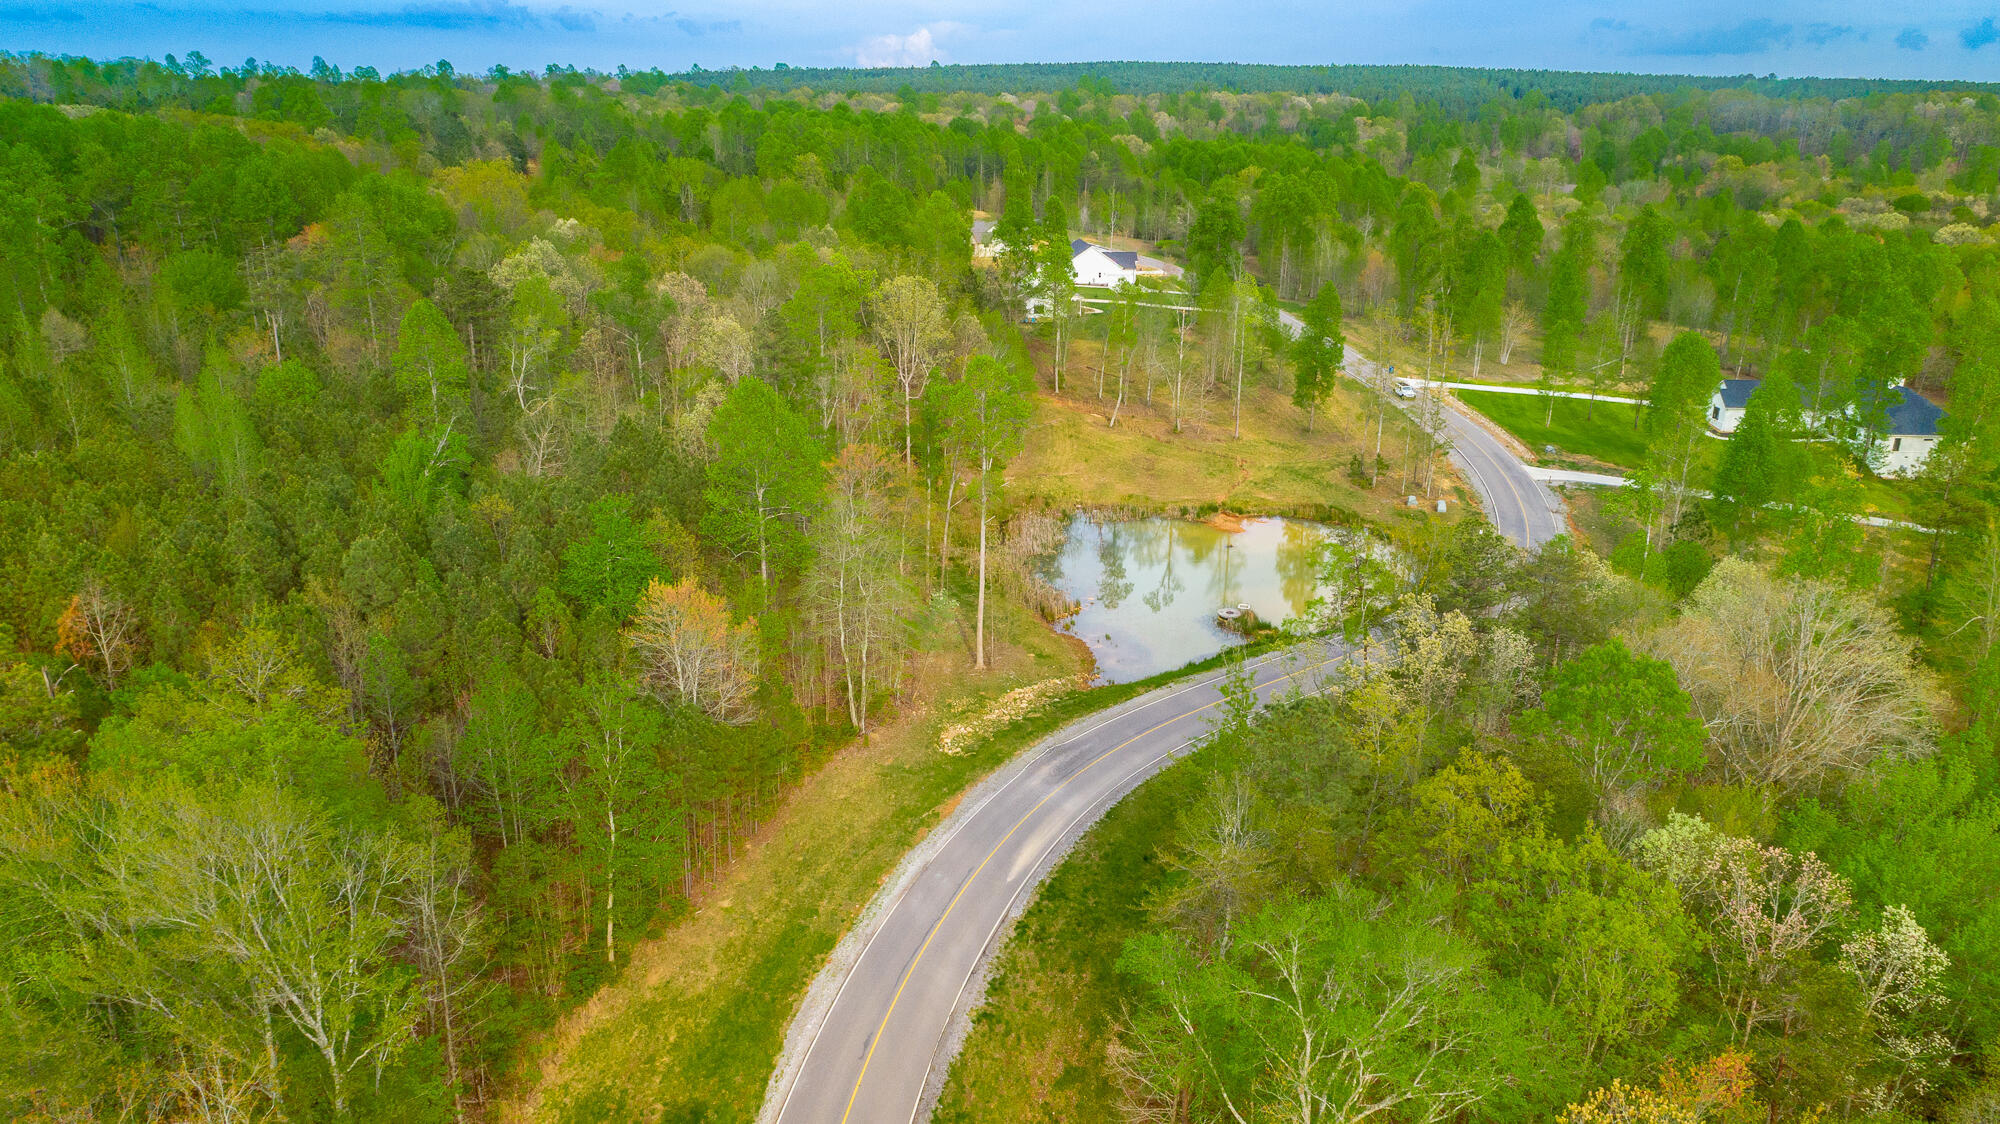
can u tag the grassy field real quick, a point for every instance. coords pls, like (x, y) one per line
(1074, 457)
(1037, 1047)
(1598, 431)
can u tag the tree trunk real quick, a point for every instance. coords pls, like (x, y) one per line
(610, 885)
(979, 631)
(1375, 466)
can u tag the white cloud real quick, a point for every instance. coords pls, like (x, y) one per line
(915, 49)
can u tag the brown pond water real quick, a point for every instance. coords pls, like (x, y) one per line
(1150, 588)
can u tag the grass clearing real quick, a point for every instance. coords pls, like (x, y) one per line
(1075, 458)
(1600, 431)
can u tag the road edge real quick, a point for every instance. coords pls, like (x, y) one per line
(833, 972)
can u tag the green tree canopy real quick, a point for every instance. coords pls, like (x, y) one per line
(765, 478)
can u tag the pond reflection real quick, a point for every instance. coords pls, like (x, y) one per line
(1149, 588)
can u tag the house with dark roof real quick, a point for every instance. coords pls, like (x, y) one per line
(1096, 265)
(1726, 407)
(1908, 433)
(984, 245)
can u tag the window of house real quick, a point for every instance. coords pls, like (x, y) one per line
(1714, 412)
(1896, 446)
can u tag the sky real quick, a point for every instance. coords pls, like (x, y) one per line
(1934, 39)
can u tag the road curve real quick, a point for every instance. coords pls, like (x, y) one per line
(877, 1031)
(1519, 506)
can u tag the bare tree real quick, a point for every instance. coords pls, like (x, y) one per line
(1795, 678)
(443, 941)
(689, 651)
(1223, 860)
(1514, 322)
(854, 594)
(98, 626)
(910, 325)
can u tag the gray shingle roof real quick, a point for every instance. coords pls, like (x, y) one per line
(1914, 415)
(1909, 414)
(1736, 393)
(1123, 259)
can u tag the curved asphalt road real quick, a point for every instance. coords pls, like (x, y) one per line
(1519, 506)
(877, 1031)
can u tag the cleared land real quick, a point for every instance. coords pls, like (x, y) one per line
(1605, 432)
(1076, 458)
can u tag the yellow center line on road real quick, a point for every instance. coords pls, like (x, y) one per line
(911, 971)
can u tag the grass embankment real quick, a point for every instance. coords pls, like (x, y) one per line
(1605, 432)
(1036, 1051)
(1075, 458)
(692, 1028)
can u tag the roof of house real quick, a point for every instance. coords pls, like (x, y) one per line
(1123, 259)
(1909, 414)
(981, 228)
(1914, 415)
(1736, 393)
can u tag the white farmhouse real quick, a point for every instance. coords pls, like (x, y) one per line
(1729, 403)
(1096, 265)
(1909, 431)
(1909, 436)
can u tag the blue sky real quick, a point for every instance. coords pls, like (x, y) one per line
(1945, 39)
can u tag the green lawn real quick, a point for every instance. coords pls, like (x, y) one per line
(1603, 431)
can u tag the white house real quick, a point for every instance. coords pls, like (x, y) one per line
(1909, 437)
(983, 243)
(1096, 265)
(1909, 432)
(1730, 401)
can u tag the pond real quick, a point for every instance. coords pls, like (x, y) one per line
(1149, 589)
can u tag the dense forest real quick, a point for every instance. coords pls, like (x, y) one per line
(1650, 881)
(442, 514)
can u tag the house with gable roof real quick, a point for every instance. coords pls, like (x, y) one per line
(1096, 265)
(1908, 432)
